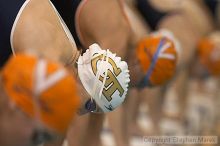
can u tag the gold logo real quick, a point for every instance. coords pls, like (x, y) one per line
(111, 84)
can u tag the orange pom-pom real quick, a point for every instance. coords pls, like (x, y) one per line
(209, 55)
(43, 90)
(158, 58)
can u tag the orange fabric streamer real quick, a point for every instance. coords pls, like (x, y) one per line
(57, 104)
